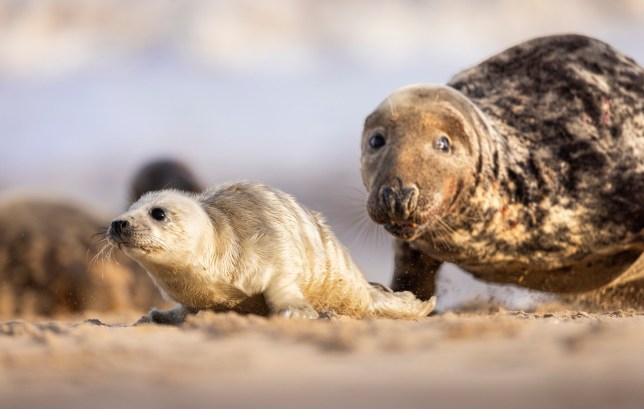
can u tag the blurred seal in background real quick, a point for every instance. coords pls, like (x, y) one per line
(50, 259)
(162, 174)
(49, 262)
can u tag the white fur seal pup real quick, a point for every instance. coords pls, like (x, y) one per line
(249, 248)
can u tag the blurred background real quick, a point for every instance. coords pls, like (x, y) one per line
(273, 90)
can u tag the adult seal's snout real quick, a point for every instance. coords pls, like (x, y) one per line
(399, 201)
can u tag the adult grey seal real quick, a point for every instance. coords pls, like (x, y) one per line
(249, 248)
(525, 169)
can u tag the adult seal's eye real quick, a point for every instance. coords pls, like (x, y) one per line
(377, 141)
(158, 214)
(442, 144)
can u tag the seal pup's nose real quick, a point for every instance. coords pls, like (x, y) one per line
(399, 201)
(118, 226)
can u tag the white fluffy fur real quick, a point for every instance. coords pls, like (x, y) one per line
(226, 248)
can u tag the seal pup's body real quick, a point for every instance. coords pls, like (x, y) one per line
(526, 169)
(249, 248)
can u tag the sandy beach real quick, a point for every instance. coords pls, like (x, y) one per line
(495, 358)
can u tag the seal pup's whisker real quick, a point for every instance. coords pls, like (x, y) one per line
(99, 254)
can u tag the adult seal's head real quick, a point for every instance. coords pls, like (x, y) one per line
(420, 152)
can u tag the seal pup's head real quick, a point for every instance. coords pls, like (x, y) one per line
(165, 231)
(420, 154)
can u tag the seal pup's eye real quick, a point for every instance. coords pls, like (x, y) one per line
(157, 214)
(442, 144)
(377, 141)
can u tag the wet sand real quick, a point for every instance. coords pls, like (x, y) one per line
(485, 358)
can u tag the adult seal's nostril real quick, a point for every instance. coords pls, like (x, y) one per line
(400, 202)
(409, 200)
(388, 199)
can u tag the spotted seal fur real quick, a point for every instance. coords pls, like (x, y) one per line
(525, 169)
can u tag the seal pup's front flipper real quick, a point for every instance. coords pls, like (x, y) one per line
(174, 316)
(285, 299)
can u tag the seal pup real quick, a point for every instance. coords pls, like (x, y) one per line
(251, 248)
(526, 169)
(162, 174)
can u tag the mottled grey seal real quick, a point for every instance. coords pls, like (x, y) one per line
(525, 169)
(249, 248)
(50, 266)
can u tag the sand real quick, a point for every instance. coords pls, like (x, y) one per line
(485, 359)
